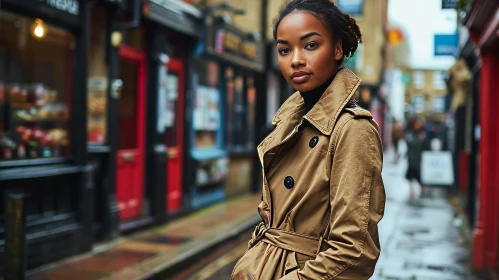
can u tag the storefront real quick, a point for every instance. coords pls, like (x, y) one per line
(482, 20)
(43, 151)
(173, 39)
(117, 117)
(226, 73)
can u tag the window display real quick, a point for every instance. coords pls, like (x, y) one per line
(241, 97)
(35, 63)
(97, 80)
(207, 107)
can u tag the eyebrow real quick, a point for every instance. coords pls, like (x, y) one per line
(301, 38)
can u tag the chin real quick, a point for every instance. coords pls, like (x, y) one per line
(303, 87)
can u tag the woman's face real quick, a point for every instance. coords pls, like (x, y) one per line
(307, 53)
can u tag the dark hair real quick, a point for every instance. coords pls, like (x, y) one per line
(344, 27)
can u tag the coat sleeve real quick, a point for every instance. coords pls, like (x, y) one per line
(357, 199)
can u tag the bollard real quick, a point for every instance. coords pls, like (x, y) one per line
(15, 236)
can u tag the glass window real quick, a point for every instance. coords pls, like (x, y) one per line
(241, 98)
(35, 87)
(97, 80)
(418, 78)
(206, 119)
(438, 80)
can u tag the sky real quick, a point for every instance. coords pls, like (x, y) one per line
(420, 20)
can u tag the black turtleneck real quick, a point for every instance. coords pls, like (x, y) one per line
(312, 97)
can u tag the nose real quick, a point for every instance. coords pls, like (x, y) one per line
(298, 60)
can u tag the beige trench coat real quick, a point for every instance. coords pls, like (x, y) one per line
(323, 195)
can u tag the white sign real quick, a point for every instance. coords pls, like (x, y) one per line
(437, 168)
(69, 6)
(162, 95)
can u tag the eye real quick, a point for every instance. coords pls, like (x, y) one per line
(283, 51)
(311, 46)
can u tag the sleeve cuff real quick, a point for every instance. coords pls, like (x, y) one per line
(292, 276)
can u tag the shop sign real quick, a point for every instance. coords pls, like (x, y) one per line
(234, 43)
(68, 6)
(66, 11)
(450, 4)
(351, 7)
(446, 44)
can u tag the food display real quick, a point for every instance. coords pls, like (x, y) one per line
(33, 122)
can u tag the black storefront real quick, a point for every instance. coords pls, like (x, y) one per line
(43, 157)
(227, 86)
(173, 29)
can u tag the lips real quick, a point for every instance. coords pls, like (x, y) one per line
(300, 77)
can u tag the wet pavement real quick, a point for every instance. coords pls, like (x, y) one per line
(420, 238)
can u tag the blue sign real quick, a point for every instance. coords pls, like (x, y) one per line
(446, 44)
(449, 4)
(351, 7)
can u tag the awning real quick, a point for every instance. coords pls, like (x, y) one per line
(176, 15)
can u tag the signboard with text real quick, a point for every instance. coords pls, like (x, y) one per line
(351, 7)
(449, 4)
(446, 44)
(66, 11)
(236, 46)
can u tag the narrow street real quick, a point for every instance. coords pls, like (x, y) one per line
(420, 239)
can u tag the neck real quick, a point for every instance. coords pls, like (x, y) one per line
(311, 97)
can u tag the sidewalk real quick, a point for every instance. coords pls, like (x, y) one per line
(163, 248)
(419, 239)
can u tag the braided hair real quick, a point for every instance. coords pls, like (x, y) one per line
(344, 27)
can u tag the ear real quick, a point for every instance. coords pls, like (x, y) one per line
(338, 50)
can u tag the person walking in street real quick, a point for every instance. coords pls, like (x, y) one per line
(323, 195)
(397, 135)
(417, 142)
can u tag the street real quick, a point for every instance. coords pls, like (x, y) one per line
(420, 239)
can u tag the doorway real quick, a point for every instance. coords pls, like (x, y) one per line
(131, 116)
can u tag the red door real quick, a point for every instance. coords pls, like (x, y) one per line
(131, 110)
(174, 133)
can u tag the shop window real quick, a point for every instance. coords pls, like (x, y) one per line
(241, 97)
(207, 105)
(35, 87)
(98, 79)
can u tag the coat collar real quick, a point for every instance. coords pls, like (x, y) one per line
(326, 111)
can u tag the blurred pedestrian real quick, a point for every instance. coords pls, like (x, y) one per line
(417, 142)
(397, 135)
(323, 194)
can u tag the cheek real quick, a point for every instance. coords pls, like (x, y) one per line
(323, 61)
(283, 65)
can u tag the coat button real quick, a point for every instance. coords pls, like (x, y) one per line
(313, 142)
(289, 182)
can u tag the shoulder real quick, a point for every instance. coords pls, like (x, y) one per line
(358, 112)
(356, 125)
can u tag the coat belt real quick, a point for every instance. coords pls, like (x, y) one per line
(287, 240)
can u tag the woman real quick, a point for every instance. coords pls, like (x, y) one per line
(323, 195)
(416, 143)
